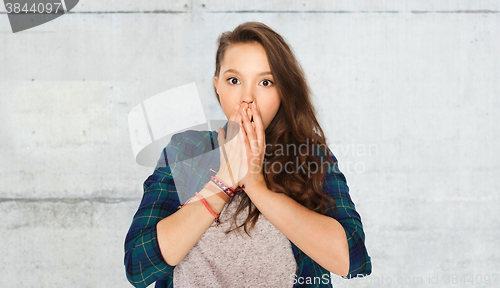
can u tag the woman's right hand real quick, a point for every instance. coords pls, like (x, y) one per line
(234, 168)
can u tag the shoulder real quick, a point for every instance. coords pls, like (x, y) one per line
(330, 162)
(333, 176)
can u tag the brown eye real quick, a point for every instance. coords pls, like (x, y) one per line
(233, 80)
(267, 82)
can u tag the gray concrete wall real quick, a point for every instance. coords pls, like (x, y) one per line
(406, 92)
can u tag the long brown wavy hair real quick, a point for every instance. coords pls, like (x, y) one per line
(294, 125)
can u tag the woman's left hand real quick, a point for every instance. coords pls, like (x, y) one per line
(255, 145)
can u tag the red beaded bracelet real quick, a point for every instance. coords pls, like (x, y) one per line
(217, 222)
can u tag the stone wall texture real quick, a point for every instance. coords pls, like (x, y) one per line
(406, 92)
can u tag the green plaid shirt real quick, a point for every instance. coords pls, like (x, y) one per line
(143, 260)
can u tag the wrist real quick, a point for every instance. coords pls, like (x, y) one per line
(258, 184)
(226, 179)
(215, 199)
(216, 190)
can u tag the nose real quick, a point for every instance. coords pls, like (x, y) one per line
(246, 102)
(247, 96)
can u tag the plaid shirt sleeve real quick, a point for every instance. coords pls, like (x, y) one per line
(336, 187)
(346, 215)
(143, 260)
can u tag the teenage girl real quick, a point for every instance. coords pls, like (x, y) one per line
(272, 177)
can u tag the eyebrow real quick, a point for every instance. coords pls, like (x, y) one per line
(236, 72)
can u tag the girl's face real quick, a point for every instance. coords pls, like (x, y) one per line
(245, 77)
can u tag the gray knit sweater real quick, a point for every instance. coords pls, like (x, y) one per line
(236, 260)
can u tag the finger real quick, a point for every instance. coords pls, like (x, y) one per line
(256, 144)
(232, 127)
(235, 127)
(250, 111)
(259, 125)
(245, 151)
(234, 112)
(246, 123)
(239, 117)
(244, 136)
(248, 129)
